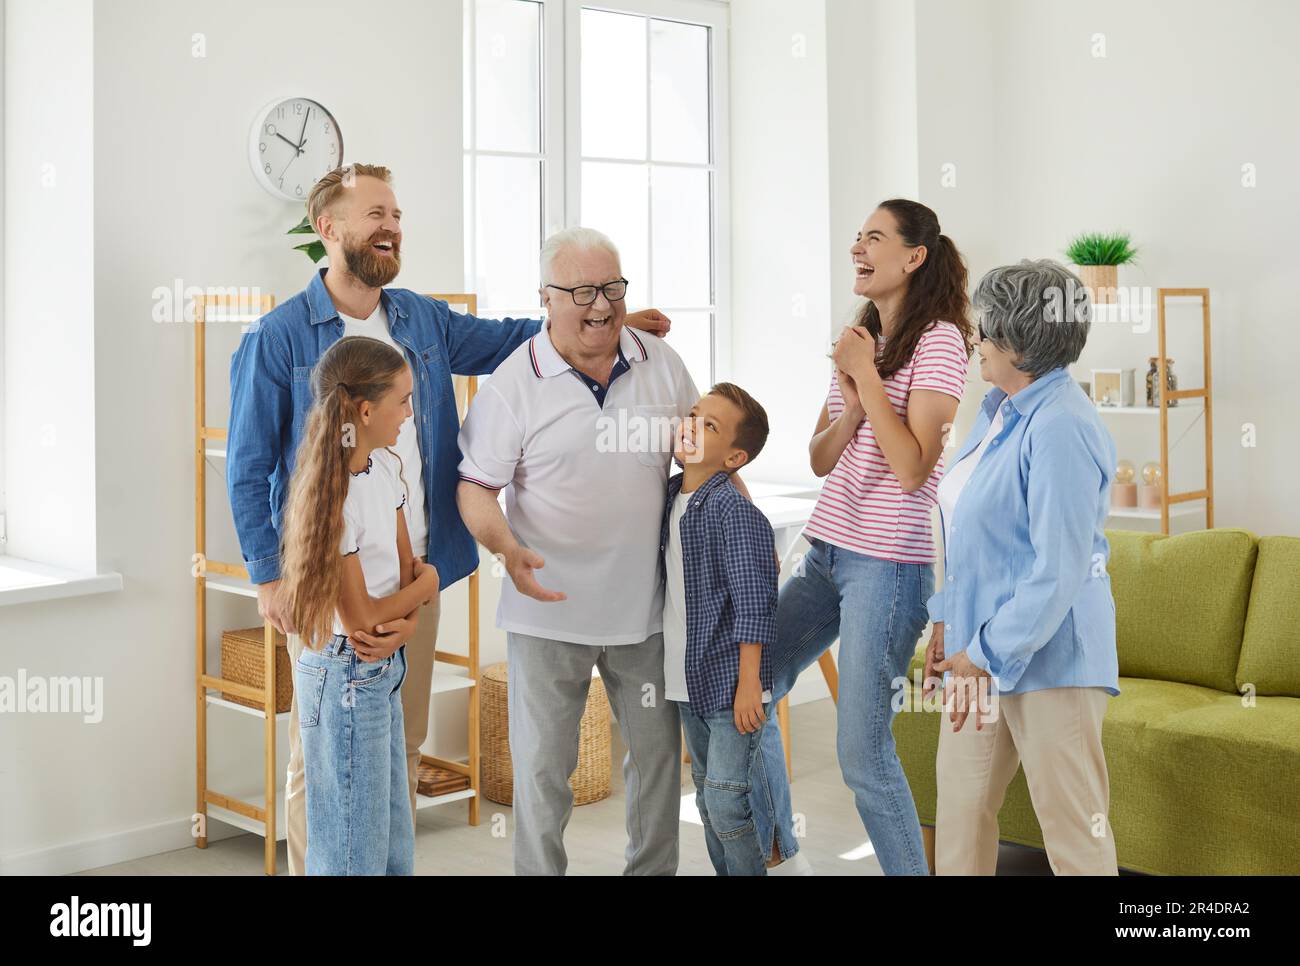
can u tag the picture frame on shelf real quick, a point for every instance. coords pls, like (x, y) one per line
(1112, 387)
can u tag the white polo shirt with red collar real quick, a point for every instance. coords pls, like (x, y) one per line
(585, 481)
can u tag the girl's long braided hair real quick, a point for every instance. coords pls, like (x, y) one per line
(352, 370)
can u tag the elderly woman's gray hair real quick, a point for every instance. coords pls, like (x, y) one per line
(572, 239)
(1037, 310)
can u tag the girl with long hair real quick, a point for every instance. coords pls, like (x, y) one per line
(347, 565)
(899, 373)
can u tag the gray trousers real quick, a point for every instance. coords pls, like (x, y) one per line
(548, 684)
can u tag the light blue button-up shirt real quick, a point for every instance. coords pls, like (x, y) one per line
(1025, 586)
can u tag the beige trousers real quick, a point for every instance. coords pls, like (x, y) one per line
(415, 713)
(1056, 734)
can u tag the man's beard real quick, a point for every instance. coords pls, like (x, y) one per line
(367, 265)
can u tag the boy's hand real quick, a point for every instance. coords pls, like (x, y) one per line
(748, 707)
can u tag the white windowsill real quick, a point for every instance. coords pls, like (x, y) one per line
(25, 581)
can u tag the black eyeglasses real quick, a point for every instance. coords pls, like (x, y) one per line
(586, 294)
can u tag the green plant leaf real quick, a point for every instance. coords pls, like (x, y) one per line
(1101, 248)
(302, 228)
(315, 250)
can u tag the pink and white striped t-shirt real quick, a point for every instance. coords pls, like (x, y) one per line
(862, 506)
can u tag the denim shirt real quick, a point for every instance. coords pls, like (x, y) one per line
(270, 395)
(1025, 588)
(729, 572)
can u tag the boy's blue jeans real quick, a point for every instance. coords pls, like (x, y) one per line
(877, 609)
(722, 759)
(354, 751)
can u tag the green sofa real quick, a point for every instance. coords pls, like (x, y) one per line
(1203, 742)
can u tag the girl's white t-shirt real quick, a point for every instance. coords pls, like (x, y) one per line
(370, 524)
(408, 443)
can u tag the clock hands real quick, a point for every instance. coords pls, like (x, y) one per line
(297, 148)
(302, 136)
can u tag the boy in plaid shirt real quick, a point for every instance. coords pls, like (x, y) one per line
(720, 617)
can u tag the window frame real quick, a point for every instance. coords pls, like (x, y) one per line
(706, 13)
(560, 152)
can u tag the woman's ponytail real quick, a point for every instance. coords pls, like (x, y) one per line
(935, 292)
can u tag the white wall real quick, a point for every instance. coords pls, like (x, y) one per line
(1052, 140)
(780, 232)
(871, 86)
(174, 198)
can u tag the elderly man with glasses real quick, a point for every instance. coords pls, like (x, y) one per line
(575, 426)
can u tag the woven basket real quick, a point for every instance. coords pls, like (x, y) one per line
(243, 658)
(589, 781)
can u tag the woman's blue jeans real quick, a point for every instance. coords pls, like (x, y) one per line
(354, 755)
(877, 609)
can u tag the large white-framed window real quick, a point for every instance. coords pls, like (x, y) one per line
(513, 136)
(611, 115)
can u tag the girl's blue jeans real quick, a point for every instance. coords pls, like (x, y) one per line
(354, 751)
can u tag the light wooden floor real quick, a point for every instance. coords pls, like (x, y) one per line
(834, 843)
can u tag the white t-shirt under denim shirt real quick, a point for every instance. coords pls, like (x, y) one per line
(408, 443)
(370, 525)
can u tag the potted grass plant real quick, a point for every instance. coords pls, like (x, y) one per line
(1098, 256)
(315, 249)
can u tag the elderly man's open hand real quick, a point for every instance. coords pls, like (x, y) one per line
(520, 565)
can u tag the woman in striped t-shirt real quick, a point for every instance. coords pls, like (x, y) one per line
(899, 373)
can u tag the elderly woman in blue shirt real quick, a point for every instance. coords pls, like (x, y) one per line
(1024, 623)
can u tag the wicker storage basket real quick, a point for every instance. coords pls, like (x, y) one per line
(243, 658)
(589, 781)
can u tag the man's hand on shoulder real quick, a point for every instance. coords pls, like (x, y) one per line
(650, 320)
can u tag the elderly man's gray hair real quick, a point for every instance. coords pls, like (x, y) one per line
(1038, 310)
(573, 239)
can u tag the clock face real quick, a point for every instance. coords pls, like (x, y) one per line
(293, 142)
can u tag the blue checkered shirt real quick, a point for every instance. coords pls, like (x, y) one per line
(730, 575)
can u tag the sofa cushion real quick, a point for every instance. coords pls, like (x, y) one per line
(1180, 604)
(1270, 648)
(1233, 768)
(1200, 783)
(1146, 703)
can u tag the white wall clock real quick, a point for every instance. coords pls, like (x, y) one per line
(293, 142)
